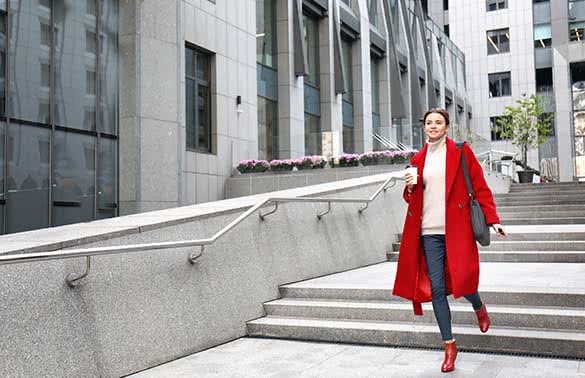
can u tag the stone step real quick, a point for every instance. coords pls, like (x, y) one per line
(523, 256)
(546, 190)
(536, 298)
(535, 245)
(535, 221)
(547, 185)
(540, 207)
(501, 202)
(541, 194)
(462, 313)
(541, 214)
(498, 339)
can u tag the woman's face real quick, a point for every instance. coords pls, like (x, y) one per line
(435, 127)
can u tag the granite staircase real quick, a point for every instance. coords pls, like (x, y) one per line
(533, 283)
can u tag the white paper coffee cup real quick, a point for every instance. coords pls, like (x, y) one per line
(414, 172)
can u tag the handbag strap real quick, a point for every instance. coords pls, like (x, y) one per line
(465, 171)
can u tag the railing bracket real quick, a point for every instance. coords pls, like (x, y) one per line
(363, 208)
(73, 278)
(262, 216)
(194, 256)
(320, 215)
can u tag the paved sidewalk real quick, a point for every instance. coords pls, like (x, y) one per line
(258, 358)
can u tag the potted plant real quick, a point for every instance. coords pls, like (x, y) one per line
(527, 126)
(251, 166)
(349, 160)
(312, 162)
(282, 165)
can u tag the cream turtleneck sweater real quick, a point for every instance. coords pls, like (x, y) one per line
(433, 219)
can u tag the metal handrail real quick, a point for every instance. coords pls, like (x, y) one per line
(73, 278)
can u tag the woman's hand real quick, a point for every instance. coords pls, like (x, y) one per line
(409, 177)
(499, 229)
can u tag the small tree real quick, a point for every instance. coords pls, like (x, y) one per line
(526, 125)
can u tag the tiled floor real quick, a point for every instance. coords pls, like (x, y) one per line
(258, 358)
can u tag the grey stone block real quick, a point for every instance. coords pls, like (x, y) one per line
(543, 342)
(264, 184)
(238, 187)
(292, 181)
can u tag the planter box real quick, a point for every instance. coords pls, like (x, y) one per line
(264, 182)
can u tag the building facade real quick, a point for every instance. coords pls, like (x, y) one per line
(116, 107)
(518, 48)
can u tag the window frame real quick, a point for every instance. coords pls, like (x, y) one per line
(199, 82)
(499, 80)
(497, 43)
(497, 3)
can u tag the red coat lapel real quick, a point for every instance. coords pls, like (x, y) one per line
(420, 162)
(453, 162)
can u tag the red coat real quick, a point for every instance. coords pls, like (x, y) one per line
(462, 260)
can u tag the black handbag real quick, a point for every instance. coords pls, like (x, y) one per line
(481, 230)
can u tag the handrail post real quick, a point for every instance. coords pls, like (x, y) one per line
(193, 257)
(72, 278)
(262, 216)
(320, 215)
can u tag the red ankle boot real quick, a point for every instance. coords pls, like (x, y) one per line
(450, 356)
(483, 319)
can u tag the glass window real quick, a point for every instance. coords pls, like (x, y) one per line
(267, 82)
(494, 5)
(266, 32)
(267, 129)
(198, 98)
(27, 57)
(348, 139)
(373, 13)
(2, 64)
(498, 41)
(106, 179)
(500, 84)
(542, 36)
(108, 73)
(375, 78)
(75, 73)
(90, 41)
(313, 137)
(73, 184)
(2, 188)
(27, 186)
(544, 80)
(445, 4)
(346, 50)
(576, 31)
(311, 33)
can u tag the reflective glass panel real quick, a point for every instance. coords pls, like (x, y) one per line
(27, 196)
(75, 64)
(108, 76)
(73, 178)
(313, 137)
(30, 57)
(266, 32)
(267, 129)
(106, 179)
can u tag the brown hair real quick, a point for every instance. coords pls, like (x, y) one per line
(440, 111)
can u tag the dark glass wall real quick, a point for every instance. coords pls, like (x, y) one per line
(58, 152)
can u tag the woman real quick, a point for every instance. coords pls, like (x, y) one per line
(438, 254)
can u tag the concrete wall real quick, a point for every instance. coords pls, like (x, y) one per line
(138, 310)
